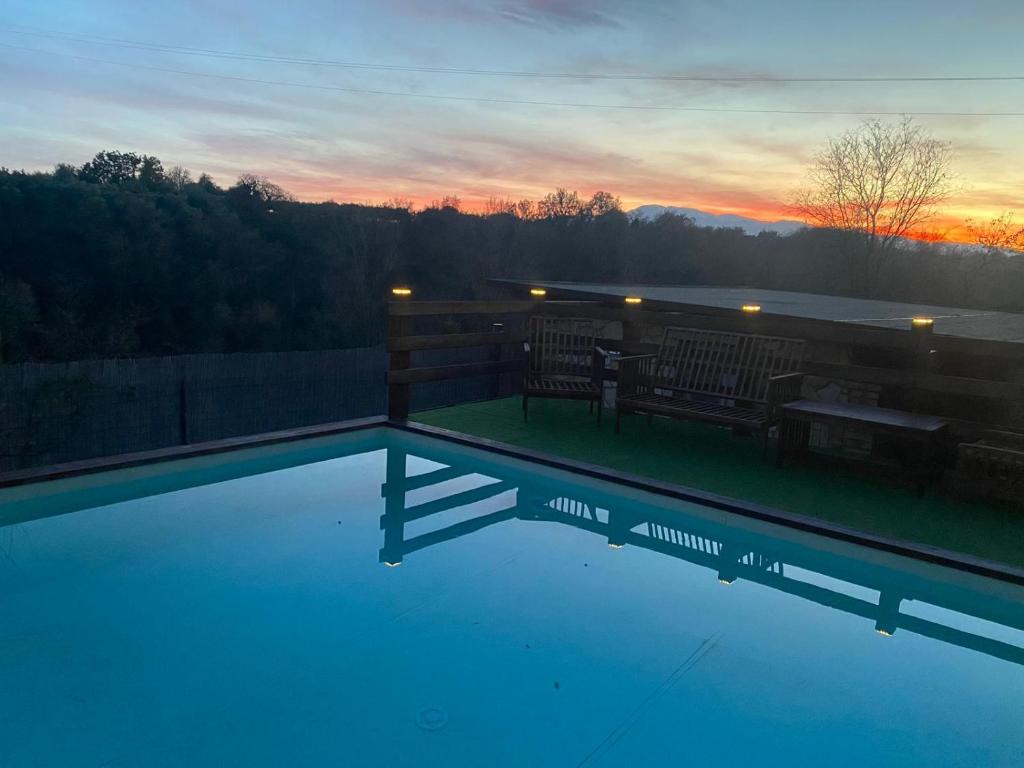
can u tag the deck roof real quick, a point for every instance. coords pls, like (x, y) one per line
(952, 321)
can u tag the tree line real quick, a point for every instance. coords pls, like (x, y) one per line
(122, 257)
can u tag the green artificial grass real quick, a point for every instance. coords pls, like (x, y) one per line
(716, 460)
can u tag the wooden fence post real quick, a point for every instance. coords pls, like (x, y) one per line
(494, 355)
(632, 326)
(183, 411)
(398, 394)
(921, 329)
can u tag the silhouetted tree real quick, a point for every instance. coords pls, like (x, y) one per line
(526, 209)
(602, 203)
(881, 181)
(499, 205)
(450, 202)
(1000, 233)
(111, 167)
(91, 269)
(560, 204)
(259, 189)
(178, 178)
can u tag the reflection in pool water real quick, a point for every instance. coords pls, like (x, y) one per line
(234, 611)
(726, 549)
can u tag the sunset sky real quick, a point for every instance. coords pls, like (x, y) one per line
(66, 98)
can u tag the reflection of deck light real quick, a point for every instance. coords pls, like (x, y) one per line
(726, 582)
(751, 308)
(538, 292)
(392, 565)
(921, 322)
(634, 300)
(401, 291)
(884, 632)
(614, 545)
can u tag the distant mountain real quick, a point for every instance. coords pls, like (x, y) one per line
(725, 220)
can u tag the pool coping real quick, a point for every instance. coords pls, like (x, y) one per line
(914, 550)
(187, 451)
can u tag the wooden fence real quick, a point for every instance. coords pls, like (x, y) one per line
(979, 384)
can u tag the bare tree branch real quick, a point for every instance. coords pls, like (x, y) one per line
(879, 180)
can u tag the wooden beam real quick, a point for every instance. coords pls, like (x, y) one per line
(456, 500)
(440, 372)
(930, 382)
(809, 329)
(421, 308)
(486, 307)
(415, 482)
(454, 340)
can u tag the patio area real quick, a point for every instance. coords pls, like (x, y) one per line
(715, 460)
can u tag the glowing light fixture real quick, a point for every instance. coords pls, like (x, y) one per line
(921, 322)
(726, 582)
(884, 632)
(538, 292)
(634, 300)
(392, 565)
(614, 546)
(401, 291)
(751, 308)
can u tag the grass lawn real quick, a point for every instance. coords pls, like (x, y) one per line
(716, 460)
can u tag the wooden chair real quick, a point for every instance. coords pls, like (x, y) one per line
(732, 379)
(563, 361)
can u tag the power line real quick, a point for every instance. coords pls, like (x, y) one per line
(242, 56)
(520, 102)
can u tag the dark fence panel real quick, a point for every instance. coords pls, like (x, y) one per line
(437, 394)
(53, 413)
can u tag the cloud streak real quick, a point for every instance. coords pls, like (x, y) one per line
(327, 144)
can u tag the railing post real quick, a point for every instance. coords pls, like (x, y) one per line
(632, 327)
(921, 329)
(398, 394)
(393, 520)
(183, 412)
(494, 355)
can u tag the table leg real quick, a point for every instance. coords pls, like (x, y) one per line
(794, 437)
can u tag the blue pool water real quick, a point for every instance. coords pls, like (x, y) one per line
(387, 599)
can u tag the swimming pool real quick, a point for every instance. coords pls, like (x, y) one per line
(383, 598)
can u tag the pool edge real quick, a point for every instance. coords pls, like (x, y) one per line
(190, 450)
(936, 555)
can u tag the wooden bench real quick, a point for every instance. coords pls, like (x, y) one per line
(923, 432)
(563, 361)
(732, 379)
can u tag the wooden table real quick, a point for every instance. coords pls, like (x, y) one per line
(922, 431)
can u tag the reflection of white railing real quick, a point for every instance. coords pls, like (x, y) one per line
(731, 559)
(682, 538)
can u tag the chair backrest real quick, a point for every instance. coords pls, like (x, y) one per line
(562, 346)
(720, 364)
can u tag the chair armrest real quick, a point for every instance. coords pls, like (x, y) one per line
(635, 373)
